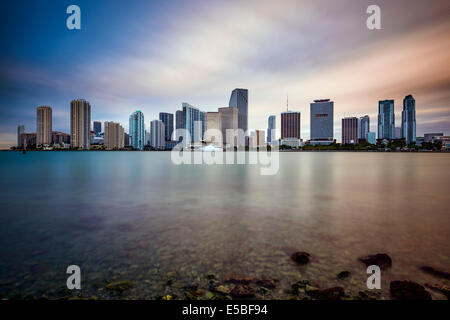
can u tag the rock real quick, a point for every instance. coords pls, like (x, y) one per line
(303, 286)
(167, 297)
(335, 293)
(237, 279)
(368, 295)
(435, 272)
(222, 289)
(408, 290)
(242, 291)
(120, 286)
(380, 259)
(211, 276)
(209, 295)
(343, 274)
(267, 283)
(445, 290)
(301, 257)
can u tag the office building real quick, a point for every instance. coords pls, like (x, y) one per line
(43, 125)
(371, 137)
(290, 124)
(229, 121)
(213, 127)
(386, 120)
(60, 138)
(97, 127)
(20, 130)
(28, 140)
(113, 136)
(126, 139)
(157, 134)
(260, 136)
(350, 130)
(363, 127)
(167, 119)
(80, 124)
(271, 129)
(137, 130)
(321, 121)
(409, 120)
(192, 121)
(398, 133)
(239, 100)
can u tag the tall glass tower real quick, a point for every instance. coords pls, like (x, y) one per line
(239, 100)
(137, 130)
(167, 119)
(193, 122)
(271, 126)
(386, 120)
(409, 119)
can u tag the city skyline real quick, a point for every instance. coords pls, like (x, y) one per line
(354, 71)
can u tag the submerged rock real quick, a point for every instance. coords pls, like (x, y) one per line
(304, 286)
(408, 290)
(343, 274)
(237, 279)
(380, 259)
(335, 293)
(267, 283)
(242, 291)
(445, 290)
(301, 257)
(222, 289)
(119, 286)
(435, 272)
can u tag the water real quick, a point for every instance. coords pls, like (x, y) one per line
(136, 216)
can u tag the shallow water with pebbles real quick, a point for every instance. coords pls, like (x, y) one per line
(135, 216)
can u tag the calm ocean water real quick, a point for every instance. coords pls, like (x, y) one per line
(136, 216)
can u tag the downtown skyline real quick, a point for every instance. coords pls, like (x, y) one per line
(321, 62)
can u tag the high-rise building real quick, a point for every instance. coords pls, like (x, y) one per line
(157, 134)
(137, 130)
(213, 123)
(229, 120)
(260, 138)
(192, 121)
(271, 127)
(179, 119)
(97, 127)
(386, 120)
(126, 139)
(398, 133)
(371, 137)
(322, 117)
(167, 119)
(60, 137)
(43, 125)
(239, 100)
(20, 130)
(363, 127)
(290, 124)
(113, 135)
(349, 130)
(409, 119)
(80, 124)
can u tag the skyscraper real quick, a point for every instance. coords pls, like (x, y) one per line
(290, 124)
(239, 100)
(179, 119)
(114, 135)
(271, 129)
(386, 119)
(349, 130)
(157, 134)
(43, 125)
(213, 123)
(322, 115)
(137, 130)
(409, 119)
(80, 124)
(20, 130)
(229, 120)
(167, 119)
(363, 127)
(97, 127)
(192, 122)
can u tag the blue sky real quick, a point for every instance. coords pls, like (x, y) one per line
(154, 55)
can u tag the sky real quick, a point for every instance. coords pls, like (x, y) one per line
(154, 55)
